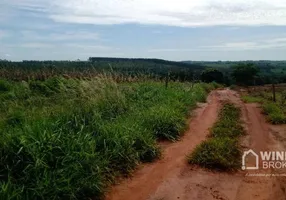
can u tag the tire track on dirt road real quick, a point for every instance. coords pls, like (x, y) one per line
(146, 180)
(258, 139)
(173, 178)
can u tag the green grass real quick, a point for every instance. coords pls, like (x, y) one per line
(252, 99)
(71, 138)
(217, 153)
(275, 111)
(229, 124)
(221, 151)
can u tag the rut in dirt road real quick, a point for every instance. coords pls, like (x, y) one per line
(172, 178)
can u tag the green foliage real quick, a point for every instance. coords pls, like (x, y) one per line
(274, 113)
(120, 69)
(124, 69)
(244, 74)
(212, 75)
(165, 122)
(70, 139)
(283, 98)
(221, 151)
(229, 124)
(4, 86)
(252, 99)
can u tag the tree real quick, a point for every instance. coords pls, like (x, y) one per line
(210, 75)
(245, 74)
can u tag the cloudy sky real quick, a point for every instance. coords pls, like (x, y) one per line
(168, 29)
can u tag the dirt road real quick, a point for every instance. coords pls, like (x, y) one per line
(172, 178)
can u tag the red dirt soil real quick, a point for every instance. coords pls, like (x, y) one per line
(172, 178)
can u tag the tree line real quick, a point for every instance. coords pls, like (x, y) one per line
(242, 73)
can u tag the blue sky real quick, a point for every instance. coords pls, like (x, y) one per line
(167, 29)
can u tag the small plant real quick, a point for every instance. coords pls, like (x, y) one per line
(283, 98)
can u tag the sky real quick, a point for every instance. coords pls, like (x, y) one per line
(167, 29)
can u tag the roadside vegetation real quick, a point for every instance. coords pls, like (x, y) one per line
(275, 111)
(71, 138)
(221, 151)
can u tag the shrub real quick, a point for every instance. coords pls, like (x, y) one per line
(277, 118)
(270, 108)
(5, 86)
(274, 113)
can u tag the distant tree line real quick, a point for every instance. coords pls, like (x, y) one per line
(242, 73)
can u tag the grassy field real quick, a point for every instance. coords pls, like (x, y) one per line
(221, 151)
(71, 138)
(275, 111)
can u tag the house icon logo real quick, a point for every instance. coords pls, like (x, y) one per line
(248, 153)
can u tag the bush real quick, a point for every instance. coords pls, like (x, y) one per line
(5, 86)
(274, 113)
(277, 118)
(271, 108)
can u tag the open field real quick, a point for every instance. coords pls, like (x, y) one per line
(142, 100)
(73, 132)
(71, 138)
(75, 138)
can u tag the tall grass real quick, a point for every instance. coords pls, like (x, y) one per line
(70, 138)
(275, 111)
(221, 151)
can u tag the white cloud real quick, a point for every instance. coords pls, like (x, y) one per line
(270, 43)
(275, 43)
(36, 45)
(164, 12)
(2, 34)
(50, 51)
(91, 47)
(60, 36)
(172, 50)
